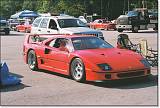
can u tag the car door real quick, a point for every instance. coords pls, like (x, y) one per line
(35, 25)
(52, 27)
(43, 26)
(55, 58)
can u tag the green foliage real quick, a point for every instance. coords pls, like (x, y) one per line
(105, 8)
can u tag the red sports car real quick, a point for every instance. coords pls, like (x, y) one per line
(23, 28)
(82, 57)
(102, 24)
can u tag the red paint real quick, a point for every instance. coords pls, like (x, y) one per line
(23, 28)
(102, 24)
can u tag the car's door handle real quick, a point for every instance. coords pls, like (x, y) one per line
(39, 29)
(48, 31)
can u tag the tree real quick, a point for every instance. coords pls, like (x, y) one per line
(29, 5)
(105, 8)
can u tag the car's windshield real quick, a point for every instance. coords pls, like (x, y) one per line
(64, 23)
(82, 43)
(132, 13)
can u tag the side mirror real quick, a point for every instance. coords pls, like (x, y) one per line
(46, 51)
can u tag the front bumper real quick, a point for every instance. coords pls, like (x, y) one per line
(101, 76)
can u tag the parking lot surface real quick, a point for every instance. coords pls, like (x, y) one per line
(48, 88)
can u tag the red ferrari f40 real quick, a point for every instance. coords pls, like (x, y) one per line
(82, 57)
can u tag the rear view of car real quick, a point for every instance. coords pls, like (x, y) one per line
(24, 26)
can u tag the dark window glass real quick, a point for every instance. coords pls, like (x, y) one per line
(52, 24)
(81, 43)
(132, 13)
(64, 23)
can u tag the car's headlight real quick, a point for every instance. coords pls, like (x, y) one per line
(104, 66)
(145, 62)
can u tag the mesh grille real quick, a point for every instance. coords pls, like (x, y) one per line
(130, 74)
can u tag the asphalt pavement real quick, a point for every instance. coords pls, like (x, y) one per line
(48, 88)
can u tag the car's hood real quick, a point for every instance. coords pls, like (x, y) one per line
(79, 30)
(123, 16)
(118, 59)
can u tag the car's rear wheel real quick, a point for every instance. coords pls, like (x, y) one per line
(7, 32)
(135, 29)
(78, 70)
(120, 30)
(32, 60)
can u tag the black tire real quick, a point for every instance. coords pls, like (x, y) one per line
(120, 30)
(156, 27)
(32, 60)
(78, 70)
(135, 29)
(7, 32)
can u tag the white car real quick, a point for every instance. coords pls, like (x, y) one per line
(62, 25)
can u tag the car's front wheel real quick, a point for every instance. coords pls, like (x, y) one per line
(120, 30)
(78, 70)
(32, 60)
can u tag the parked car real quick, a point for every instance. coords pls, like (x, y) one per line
(102, 24)
(24, 27)
(4, 27)
(62, 25)
(82, 57)
(13, 23)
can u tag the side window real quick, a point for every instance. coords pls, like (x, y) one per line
(44, 23)
(52, 24)
(96, 21)
(55, 43)
(100, 21)
(59, 43)
(36, 22)
(51, 44)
